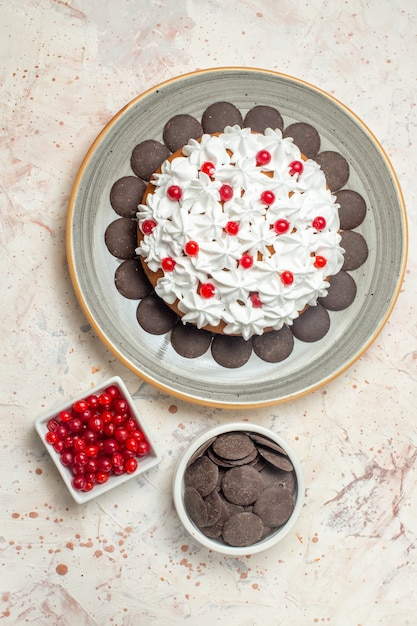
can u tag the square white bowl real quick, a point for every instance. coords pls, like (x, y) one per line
(216, 544)
(144, 463)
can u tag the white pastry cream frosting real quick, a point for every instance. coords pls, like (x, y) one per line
(242, 229)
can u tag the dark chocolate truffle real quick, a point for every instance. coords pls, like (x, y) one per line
(179, 130)
(274, 346)
(190, 341)
(356, 250)
(121, 238)
(131, 281)
(261, 117)
(126, 194)
(305, 137)
(230, 350)
(155, 316)
(335, 168)
(219, 115)
(312, 325)
(147, 156)
(352, 210)
(341, 293)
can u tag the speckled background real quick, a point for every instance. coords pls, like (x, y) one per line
(66, 69)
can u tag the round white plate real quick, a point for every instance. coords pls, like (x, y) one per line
(152, 357)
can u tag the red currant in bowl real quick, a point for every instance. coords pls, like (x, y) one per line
(98, 440)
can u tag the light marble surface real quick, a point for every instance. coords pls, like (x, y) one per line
(66, 68)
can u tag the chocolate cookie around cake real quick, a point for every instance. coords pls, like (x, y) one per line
(256, 229)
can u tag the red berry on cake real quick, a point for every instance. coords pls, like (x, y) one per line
(208, 168)
(320, 262)
(319, 223)
(246, 261)
(256, 301)
(147, 226)
(168, 264)
(263, 157)
(232, 228)
(174, 192)
(287, 277)
(296, 167)
(268, 197)
(226, 192)
(281, 226)
(191, 248)
(207, 290)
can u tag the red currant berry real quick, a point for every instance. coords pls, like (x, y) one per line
(287, 278)
(80, 406)
(131, 465)
(75, 425)
(80, 458)
(104, 464)
(68, 442)
(106, 416)
(118, 420)
(208, 168)
(65, 416)
(168, 264)
(90, 437)
(78, 470)
(226, 193)
(131, 444)
(131, 424)
(174, 192)
(281, 226)
(108, 429)
(207, 290)
(256, 301)
(79, 482)
(104, 400)
(59, 446)
(121, 434)
(143, 448)
(319, 223)
(113, 392)
(52, 424)
(51, 437)
(320, 262)
(268, 197)
(91, 466)
(120, 405)
(88, 485)
(118, 471)
(117, 459)
(92, 450)
(232, 228)
(263, 157)
(95, 424)
(110, 446)
(191, 248)
(296, 167)
(102, 477)
(85, 416)
(92, 402)
(67, 458)
(61, 432)
(246, 261)
(138, 435)
(148, 226)
(78, 444)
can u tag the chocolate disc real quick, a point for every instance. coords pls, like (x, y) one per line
(154, 316)
(121, 238)
(126, 194)
(202, 475)
(219, 115)
(190, 341)
(233, 445)
(341, 293)
(356, 250)
(305, 137)
(267, 443)
(214, 507)
(312, 325)
(231, 351)
(261, 117)
(274, 477)
(276, 459)
(179, 130)
(242, 529)
(335, 168)
(274, 346)
(195, 506)
(352, 210)
(274, 506)
(147, 156)
(131, 280)
(242, 485)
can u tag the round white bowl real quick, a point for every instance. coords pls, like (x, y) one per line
(217, 544)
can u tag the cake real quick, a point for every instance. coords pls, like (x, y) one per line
(239, 232)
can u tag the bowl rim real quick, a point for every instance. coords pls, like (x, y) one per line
(151, 459)
(214, 544)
